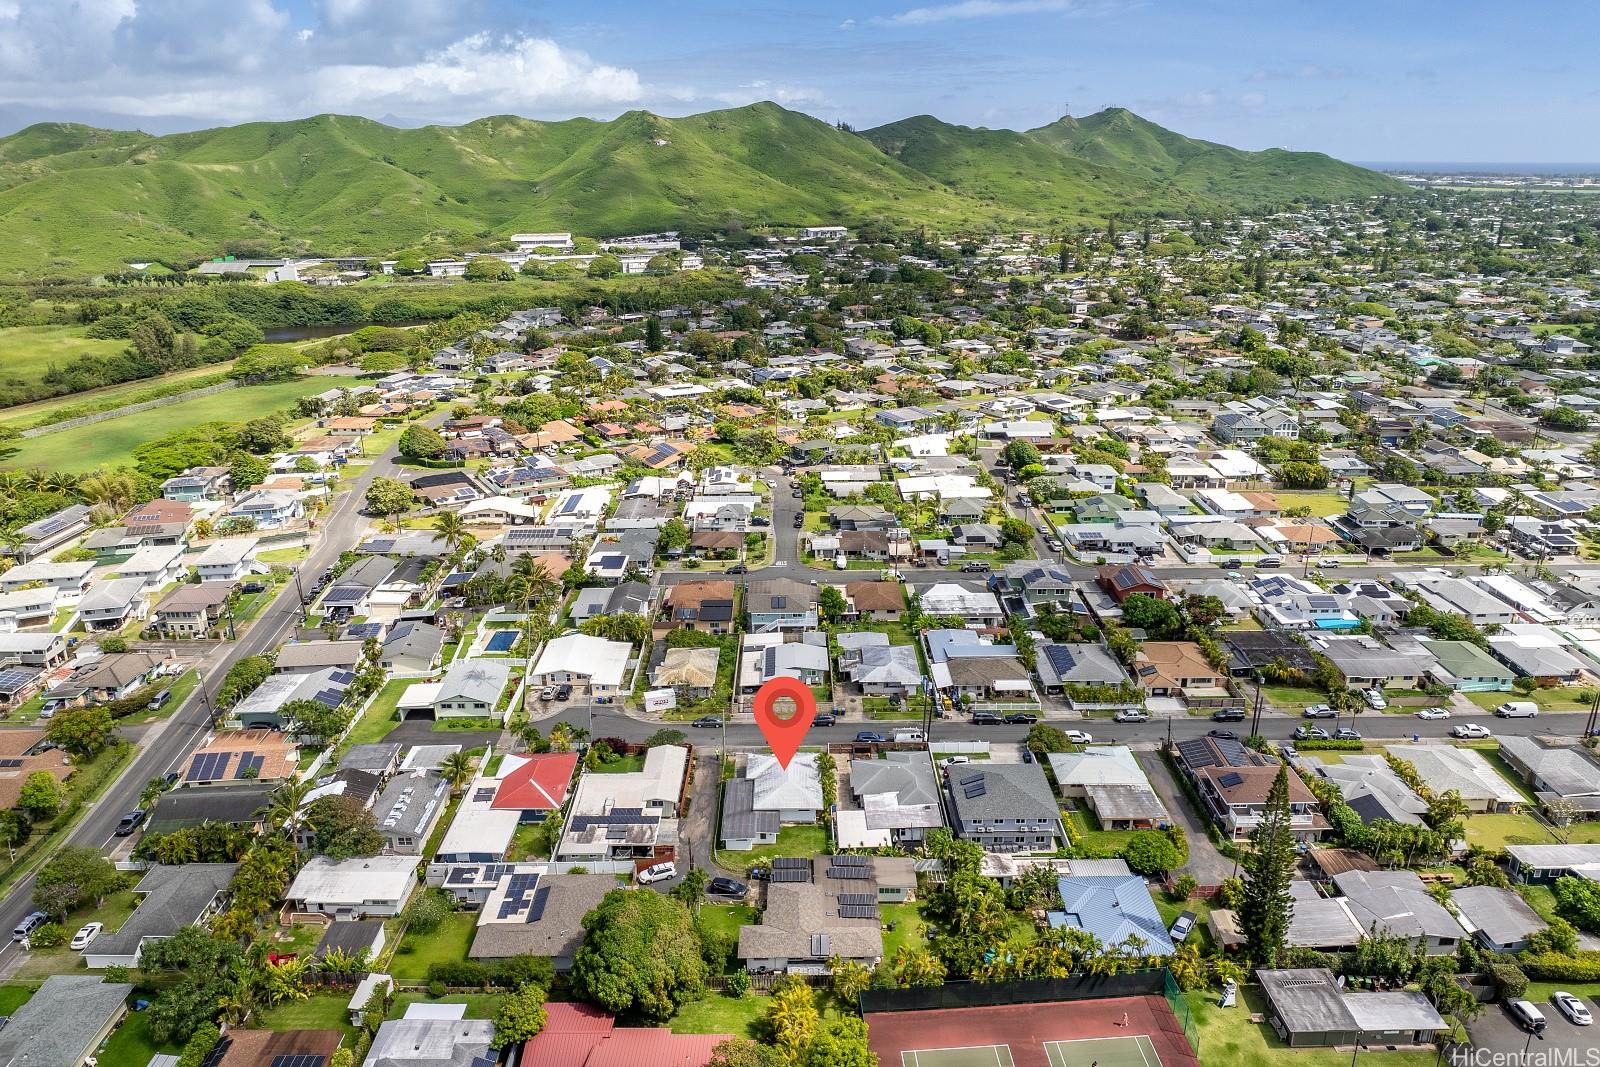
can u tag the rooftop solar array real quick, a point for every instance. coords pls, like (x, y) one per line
(8, 763)
(298, 1060)
(847, 874)
(1229, 780)
(519, 896)
(850, 861)
(789, 861)
(14, 678)
(615, 817)
(483, 795)
(250, 763)
(849, 899)
(857, 911)
(209, 766)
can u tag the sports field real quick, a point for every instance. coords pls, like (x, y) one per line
(1135, 1051)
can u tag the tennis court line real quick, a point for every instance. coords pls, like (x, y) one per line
(1139, 1042)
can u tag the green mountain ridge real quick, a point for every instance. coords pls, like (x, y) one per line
(76, 200)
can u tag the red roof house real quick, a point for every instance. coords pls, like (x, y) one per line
(579, 1035)
(539, 784)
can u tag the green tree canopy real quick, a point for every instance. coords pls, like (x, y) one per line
(639, 956)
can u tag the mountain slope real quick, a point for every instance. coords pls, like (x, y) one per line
(1120, 139)
(77, 200)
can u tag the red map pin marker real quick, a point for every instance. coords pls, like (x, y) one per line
(784, 735)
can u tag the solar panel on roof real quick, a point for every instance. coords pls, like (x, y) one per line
(790, 874)
(972, 792)
(1230, 780)
(10, 763)
(249, 763)
(484, 794)
(856, 898)
(848, 874)
(541, 897)
(972, 779)
(856, 911)
(850, 861)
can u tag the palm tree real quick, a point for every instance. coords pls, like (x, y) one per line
(452, 528)
(287, 801)
(456, 768)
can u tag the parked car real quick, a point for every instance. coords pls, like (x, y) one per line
(825, 719)
(1231, 564)
(867, 737)
(130, 822)
(1517, 709)
(1021, 718)
(657, 872)
(162, 699)
(1375, 699)
(1181, 926)
(1310, 733)
(1320, 711)
(253, 587)
(1469, 731)
(86, 934)
(1527, 1016)
(796, 493)
(1053, 544)
(975, 568)
(956, 761)
(1268, 562)
(986, 718)
(1433, 713)
(727, 887)
(547, 693)
(1570, 1006)
(738, 568)
(1345, 733)
(1078, 737)
(1229, 734)
(1287, 750)
(1228, 715)
(799, 522)
(708, 721)
(1131, 715)
(30, 922)
(760, 520)
(563, 691)
(1327, 564)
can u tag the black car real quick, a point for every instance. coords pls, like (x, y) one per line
(169, 779)
(986, 718)
(563, 691)
(760, 520)
(253, 587)
(1228, 715)
(738, 568)
(825, 719)
(1021, 718)
(130, 822)
(712, 721)
(867, 737)
(799, 522)
(1229, 734)
(1231, 564)
(727, 887)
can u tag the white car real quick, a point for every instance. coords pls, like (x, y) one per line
(1572, 1008)
(956, 761)
(1434, 713)
(1374, 699)
(1469, 731)
(83, 937)
(658, 872)
(1078, 737)
(1327, 564)
(1131, 715)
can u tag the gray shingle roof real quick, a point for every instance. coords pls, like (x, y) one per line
(174, 897)
(57, 1026)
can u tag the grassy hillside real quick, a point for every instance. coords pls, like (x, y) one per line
(1119, 139)
(76, 200)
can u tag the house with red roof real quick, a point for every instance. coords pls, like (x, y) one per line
(580, 1035)
(538, 786)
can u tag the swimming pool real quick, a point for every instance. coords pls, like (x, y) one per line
(501, 641)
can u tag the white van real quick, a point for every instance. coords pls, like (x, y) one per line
(909, 737)
(1528, 1017)
(1517, 709)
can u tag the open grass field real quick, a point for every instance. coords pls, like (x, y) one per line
(84, 448)
(1321, 504)
(27, 352)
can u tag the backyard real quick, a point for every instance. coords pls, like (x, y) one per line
(909, 928)
(792, 841)
(448, 944)
(376, 722)
(1228, 1036)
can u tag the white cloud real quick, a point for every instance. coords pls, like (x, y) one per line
(1253, 99)
(848, 24)
(984, 9)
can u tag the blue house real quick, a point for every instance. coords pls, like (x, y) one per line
(1113, 909)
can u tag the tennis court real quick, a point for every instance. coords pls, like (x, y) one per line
(974, 1056)
(1136, 1051)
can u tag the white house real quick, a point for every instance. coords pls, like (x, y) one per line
(471, 689)
(227, 561)
(584, 661)
(354, 888)
(268, 508)
(155, 566)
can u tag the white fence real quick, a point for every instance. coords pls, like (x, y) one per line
(950, 748)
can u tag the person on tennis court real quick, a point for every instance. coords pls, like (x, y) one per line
(1124, 1020)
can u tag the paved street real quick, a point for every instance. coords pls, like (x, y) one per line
(340, 529)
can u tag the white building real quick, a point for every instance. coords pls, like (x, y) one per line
(354, 888)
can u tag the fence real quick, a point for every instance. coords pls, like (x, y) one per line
(950, 747)
(1027, 991)
(763, 983)
(1180, 1010)
(129, 409)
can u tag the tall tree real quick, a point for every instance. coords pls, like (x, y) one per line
(1265, 911)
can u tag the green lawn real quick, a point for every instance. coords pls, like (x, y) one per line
(727, 918)
(792, 841)
(84, 448)
(717, 1014)
(378, 719)
(1097, 842)
(324, 1011)
(448, 944)
(293, 554)
(14, 995)
(909, 928)
(26, 352)
(1541, 898)
(1321, 504)
(1557, 699)
(1506, 828)
(132, 1043)
(479, 1005)
(1290, 697)
(621, 765)
(1228, 1036)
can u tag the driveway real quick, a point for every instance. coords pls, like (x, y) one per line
(421, 732)
(1208, 866)
(700, 828)
(1560, 1043)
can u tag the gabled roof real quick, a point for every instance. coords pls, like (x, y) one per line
(1113, 909)
(539, 784)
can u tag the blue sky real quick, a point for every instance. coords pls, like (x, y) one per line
(1400, 80)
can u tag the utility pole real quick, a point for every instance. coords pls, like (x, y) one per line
(1594, 714)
